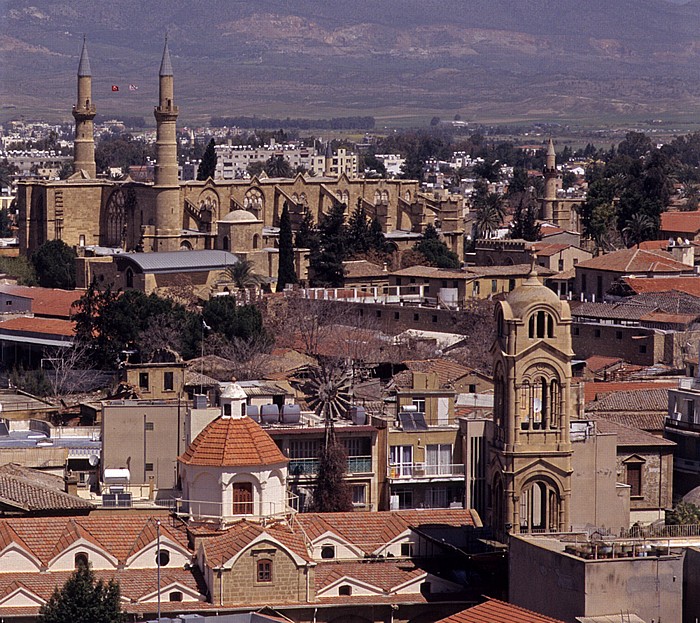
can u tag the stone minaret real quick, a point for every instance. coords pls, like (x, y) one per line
(84, 112)
(328, 161)
(168, 220)
(530, 463)
(550, 184)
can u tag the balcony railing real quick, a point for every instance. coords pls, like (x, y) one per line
(422, 470)
(309, 467)
(682, 424)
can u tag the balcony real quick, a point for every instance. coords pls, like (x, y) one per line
(678, 424)
(309, 467)
(424, 472)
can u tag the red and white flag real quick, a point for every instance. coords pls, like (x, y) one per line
(115, 87)
(133, 87)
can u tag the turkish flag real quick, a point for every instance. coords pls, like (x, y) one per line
(115, 87)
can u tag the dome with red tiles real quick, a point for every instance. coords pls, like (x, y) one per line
(233, 442)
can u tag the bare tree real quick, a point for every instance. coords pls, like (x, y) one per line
(68, 371)
(162, 335)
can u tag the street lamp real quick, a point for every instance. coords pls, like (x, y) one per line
(158, 562)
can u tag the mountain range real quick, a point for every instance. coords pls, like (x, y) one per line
(486, 60)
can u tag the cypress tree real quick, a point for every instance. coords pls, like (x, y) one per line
(285, 271)
(358, 231)
(83, 600)
(327, 264)
(307, 235)
(377, 241)
(207, 167)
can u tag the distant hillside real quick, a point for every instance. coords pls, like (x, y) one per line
(486, 59)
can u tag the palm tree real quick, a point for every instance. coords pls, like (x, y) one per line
(489, 215)
(637, 228)
(242, 274)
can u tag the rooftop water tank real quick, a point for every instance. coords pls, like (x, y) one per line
(291, 414)
(253, 412)
(270, 414)
(358, 415)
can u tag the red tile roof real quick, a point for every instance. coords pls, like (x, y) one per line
(447, 371)
(597, 363)
(234, 442)
(680, 222)
(384, 574)
(21, 490)
(46, 301)
(688, 284)
(598, 389)
(496, 611)
(222, 546)
(357, 269)
(371, 531)
(115, 533)
(628, 436)
(636, 261)
(43, 326)
(134, 584)
(648, 399)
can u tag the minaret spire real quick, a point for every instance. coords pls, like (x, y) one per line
(168, 220)
(549, 211)
(84, 112)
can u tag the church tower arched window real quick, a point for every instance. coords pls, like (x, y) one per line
(541, 325)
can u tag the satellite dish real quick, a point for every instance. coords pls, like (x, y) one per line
(537, 405)
(93, 460)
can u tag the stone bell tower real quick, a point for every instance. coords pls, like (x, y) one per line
(529, 472)
(84, 112)
(168, 220)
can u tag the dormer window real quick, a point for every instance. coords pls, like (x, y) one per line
(328, 552)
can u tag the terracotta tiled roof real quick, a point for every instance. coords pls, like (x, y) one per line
(669, 302)
(46, 301)
(221, 547)
(496, 611)
(28, 495)
(431, 271)
(515, 270)
(43, 326)
(636, 261)
(651, 245)
(384, 574)
(689, 284)
(357, 269)
(593, 390)
(547, 250)
(664, 318)
(134, 584)
(680, 222)
(233, 441)
(655, 399)
(116, 533)
(650, 422)
(371, 531)
(610, 311)
(447, 371)
(628, 436)
(597, 363)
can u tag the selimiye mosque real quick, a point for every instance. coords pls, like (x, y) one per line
(231, 215)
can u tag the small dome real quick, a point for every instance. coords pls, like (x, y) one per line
(530, 293)
(234, 391)
(240, 216)
(233, 442)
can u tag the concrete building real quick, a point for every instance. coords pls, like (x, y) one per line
(578, 577)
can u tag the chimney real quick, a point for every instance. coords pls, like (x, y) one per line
(70, 482)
